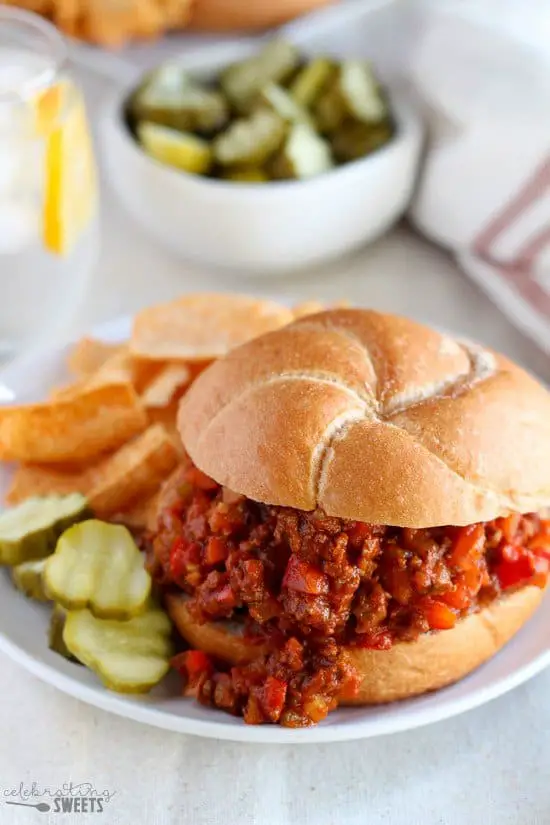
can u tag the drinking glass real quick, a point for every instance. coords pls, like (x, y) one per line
(48, 192)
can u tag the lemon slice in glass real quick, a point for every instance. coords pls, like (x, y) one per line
(70, 188)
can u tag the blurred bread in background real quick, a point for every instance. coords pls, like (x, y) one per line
(231, 15)
(112, 23)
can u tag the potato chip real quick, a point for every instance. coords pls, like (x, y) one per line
(167, 416)
(88, 355)
(165, 386)
(203, 326)
(140, 516)
(40, 480)
(133, 472)
(74, 429)
(116, 369)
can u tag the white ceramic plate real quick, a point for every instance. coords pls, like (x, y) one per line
(23, 637)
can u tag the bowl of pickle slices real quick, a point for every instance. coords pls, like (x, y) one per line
(262, 159)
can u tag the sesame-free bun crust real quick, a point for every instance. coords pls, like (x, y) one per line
(372, 417)
(408, 668)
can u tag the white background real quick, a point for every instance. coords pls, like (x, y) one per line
(489, 766)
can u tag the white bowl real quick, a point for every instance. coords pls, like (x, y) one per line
(265, 228)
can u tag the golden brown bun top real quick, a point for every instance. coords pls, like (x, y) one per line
(372, 417)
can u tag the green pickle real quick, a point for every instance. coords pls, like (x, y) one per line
(171, 98)
(128, 657)
(304, 155)
(242, 82)
(178, 149)
(356, 140)
(28, 577)
(271, 116)
(279, 100)
(98, 566)
(55, 634)
(30, 530)
(250, 141)
(311, 81)
(244, 175)
(330, 110)
(361, 93)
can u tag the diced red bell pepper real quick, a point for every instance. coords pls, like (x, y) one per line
(512, 573)
(304, 577)
(192, 663)
(468, 545)
(273, 695)
(438, 615)
(459, 598)
(510, 552)
(215, 551)
(540, 545)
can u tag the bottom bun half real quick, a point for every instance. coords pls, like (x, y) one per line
(408, 668)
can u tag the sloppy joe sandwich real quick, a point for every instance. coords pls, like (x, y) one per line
(360, 519)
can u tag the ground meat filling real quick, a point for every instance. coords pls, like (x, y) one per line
(309, 585)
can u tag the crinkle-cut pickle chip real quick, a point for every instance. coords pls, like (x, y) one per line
(172, 98)
(98, 566)
(310, 82)
(250, 141)
(252, 174)
(357, 140)
(305, 154)
(128, 657)
(28, 577)
(182, 150)
(242, 81)
(30, 530)
(361, 93)
(279, 100)
(55, 633)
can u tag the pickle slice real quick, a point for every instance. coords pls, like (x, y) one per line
(243, 81)
(279, 100)
(311, 81)
(330, 110)
(356, 140)
(55, 634)
(179, 149)
(252, 175)
(99, 566)
(30, 530)
(304, 155)
(28, 578)
(361, 93)
(171, 98)
(128, 657)
(250, 141)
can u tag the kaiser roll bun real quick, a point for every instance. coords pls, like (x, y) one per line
(375, 418)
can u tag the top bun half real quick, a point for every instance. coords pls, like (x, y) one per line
(372, 417)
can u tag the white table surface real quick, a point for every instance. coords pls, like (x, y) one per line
(488, 766)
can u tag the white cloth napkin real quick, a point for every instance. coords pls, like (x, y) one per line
(482, 70)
